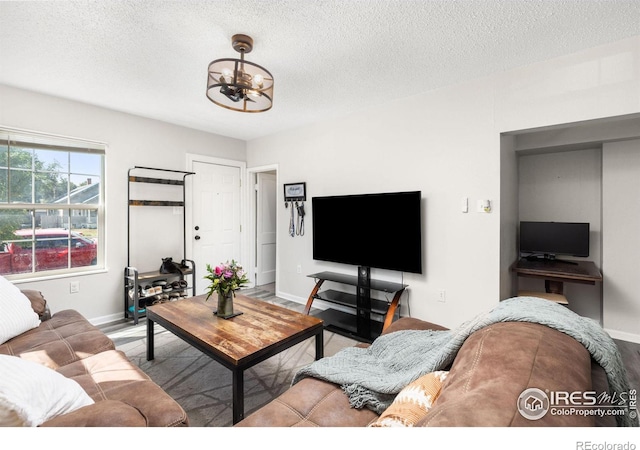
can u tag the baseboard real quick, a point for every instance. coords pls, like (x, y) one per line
(319, 304)
(303, 301)
(624, 336)
(290, 297)
(103, 320)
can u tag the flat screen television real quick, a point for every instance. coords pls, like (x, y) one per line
(369, 230)
(554, 238)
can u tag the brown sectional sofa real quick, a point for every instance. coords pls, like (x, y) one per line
(124, 395)
(491, 369)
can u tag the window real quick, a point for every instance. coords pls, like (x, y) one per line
(51, 205)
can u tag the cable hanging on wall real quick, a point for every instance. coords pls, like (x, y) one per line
(292, 220)
(294, 197)
(300, 209)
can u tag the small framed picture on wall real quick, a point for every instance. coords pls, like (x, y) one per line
(295, 192)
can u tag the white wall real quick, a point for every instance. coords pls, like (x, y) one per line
(131, 141)
(445, 143)
(621, 238)
(406, 145)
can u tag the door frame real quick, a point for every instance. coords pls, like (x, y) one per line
(251, 218)
(191, 158)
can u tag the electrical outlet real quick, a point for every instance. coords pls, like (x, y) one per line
(442, 296)
(299, 268)
(74, 287)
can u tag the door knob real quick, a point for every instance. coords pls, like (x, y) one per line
(197, 237)
(197, 227)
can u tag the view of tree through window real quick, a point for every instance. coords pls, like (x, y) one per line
(50, 204)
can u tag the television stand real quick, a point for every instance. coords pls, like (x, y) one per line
(555, 275)
(367, 317)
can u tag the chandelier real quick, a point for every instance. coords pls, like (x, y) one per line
(238, 84)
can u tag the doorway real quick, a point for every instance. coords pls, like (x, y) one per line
(264, 222)
(214, 227)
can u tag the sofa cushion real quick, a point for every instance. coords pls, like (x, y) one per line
(16, 313)
(413, 402)
(310, 403)
(31, 394)
(110, 376)
(61, 340)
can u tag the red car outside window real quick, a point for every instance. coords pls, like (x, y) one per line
(51, 251)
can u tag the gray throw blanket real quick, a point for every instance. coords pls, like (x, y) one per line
(373, 376)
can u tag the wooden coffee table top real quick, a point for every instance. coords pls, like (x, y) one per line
(240, 340)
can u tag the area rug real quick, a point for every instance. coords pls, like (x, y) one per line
(202, 386)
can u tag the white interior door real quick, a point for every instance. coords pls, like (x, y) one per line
(216, 217)
(266, 229)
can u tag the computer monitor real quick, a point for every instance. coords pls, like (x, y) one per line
(549, 239)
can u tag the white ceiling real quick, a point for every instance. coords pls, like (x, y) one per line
(328, 57)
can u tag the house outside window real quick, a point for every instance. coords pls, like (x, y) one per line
(51, 205)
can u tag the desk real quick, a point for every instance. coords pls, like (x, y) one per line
(556, 273)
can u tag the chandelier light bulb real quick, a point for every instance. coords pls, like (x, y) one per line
(227, 73)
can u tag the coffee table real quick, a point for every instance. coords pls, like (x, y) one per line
(262, 331)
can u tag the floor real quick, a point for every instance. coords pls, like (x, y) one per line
(202, 386)
(259, 292)
(630, 351)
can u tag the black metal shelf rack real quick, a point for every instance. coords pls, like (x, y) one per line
(134, 302)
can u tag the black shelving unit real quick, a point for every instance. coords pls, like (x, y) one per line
(367, 317)
(134, 281)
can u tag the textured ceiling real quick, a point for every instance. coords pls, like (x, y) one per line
(328, 57)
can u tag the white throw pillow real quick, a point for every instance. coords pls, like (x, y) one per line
(16, 313)
(31, 394)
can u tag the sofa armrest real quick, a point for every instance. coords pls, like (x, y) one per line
(411, 323)
(105, 413)
(111, 413)
(38, 303)
(497, 363)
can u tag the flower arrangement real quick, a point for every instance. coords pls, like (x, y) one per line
(225, 278)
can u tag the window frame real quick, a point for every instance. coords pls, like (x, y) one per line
(58, 143)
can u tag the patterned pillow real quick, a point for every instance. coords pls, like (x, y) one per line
(413, 402)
